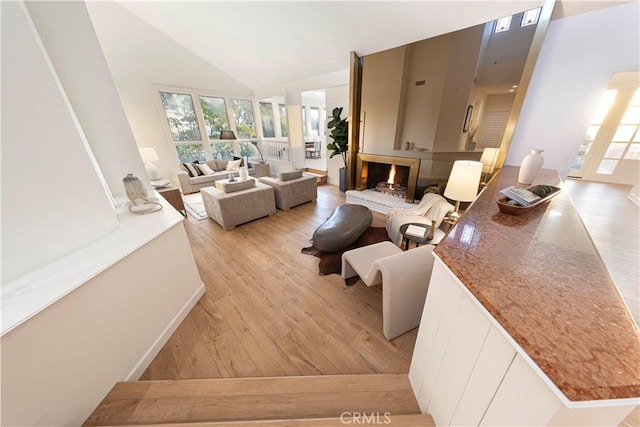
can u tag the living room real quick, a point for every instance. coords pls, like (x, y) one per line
(137, 57)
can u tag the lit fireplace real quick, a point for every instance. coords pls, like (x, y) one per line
(390, 175)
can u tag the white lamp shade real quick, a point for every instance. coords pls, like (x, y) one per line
(488, 159)
(148, 155)
(464, 181)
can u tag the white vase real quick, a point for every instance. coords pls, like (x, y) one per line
(244, 173)
(531, 165)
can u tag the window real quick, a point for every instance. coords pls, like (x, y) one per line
(243, 115)
(503, 24)
(284, 129)
(181, 116)
(604, 105)
(304, 120)
(215, 115)
(266, 113)
(530, 17)
(187, 112)
(314, 115)
(624, 144)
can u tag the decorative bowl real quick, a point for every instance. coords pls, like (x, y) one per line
(517, 210)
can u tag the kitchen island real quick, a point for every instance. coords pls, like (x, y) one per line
(523, 324)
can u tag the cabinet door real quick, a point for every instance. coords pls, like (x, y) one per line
(489, 370)
(522, 399)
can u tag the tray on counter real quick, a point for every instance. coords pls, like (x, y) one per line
(517, 210)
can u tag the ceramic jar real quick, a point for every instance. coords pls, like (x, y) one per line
(531, 165)
(134, 187)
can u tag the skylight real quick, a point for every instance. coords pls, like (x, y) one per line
(530, 17)
(503, 24)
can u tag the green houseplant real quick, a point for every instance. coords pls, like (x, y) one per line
(340, 134)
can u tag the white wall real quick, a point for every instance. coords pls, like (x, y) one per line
(577, 59)
(71, 43)
(53, 199)
(139, 56)
(337, 96)
(59, 365)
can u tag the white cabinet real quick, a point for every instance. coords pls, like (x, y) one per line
(466, 370)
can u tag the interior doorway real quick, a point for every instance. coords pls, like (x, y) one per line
(314, 125)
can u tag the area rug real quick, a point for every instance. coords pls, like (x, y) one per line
(332, 263)
(194, 205)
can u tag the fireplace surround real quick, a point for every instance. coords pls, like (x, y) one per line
(362, 171)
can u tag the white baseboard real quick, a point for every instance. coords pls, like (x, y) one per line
(155, 348)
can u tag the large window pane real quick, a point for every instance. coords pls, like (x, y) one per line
(624, 133)
(615, 150)
(632, 115)
(314, 112)
(181, 115)
(243, 114)
(633, 153)
(247, 149)
(266, 113)
(190, 153)
(215, 115)
(222, 150)
(284, 128)
(607, 167)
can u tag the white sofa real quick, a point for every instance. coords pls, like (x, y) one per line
(189, 184)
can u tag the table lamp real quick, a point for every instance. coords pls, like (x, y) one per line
(463, 183)
(227, 134)
(149, 156)
(488, 160)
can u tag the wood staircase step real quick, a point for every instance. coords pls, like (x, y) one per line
(321, 176)
(253, 399)
(416, 420)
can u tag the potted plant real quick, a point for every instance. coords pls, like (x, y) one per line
(340, 134)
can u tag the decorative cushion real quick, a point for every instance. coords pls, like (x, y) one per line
(241, 160)
(191, 169)
(205, 169)
(288, 176)
(233, 165)
(195, 164)
(232, 187)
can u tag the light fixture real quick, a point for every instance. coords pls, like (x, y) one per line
(463, 182)
(149, 156)
(227, 134)
(255, 143)
(488, 160)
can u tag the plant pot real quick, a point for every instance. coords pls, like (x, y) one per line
(344, 179)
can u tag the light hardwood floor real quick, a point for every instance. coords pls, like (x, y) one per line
(267, 312)
(613, 221)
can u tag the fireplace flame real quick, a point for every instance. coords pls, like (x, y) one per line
(392, 175)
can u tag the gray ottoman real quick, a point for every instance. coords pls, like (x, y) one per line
(341, 230)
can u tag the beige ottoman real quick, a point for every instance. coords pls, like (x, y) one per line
(237, 207)
(292, 189)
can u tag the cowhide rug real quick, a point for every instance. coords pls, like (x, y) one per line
(331, 263)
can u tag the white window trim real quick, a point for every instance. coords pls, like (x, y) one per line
(205, 142)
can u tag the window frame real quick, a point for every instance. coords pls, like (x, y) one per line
(204, 142)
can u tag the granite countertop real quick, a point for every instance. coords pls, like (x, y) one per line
(541, 277)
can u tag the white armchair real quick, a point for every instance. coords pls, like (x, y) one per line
(432, 207)
(404, 277)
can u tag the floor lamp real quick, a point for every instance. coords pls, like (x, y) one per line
(463, 182)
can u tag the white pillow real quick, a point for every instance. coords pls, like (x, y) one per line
(234, 165)
(205, 169)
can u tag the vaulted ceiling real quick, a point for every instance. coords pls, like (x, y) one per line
(268, 44)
